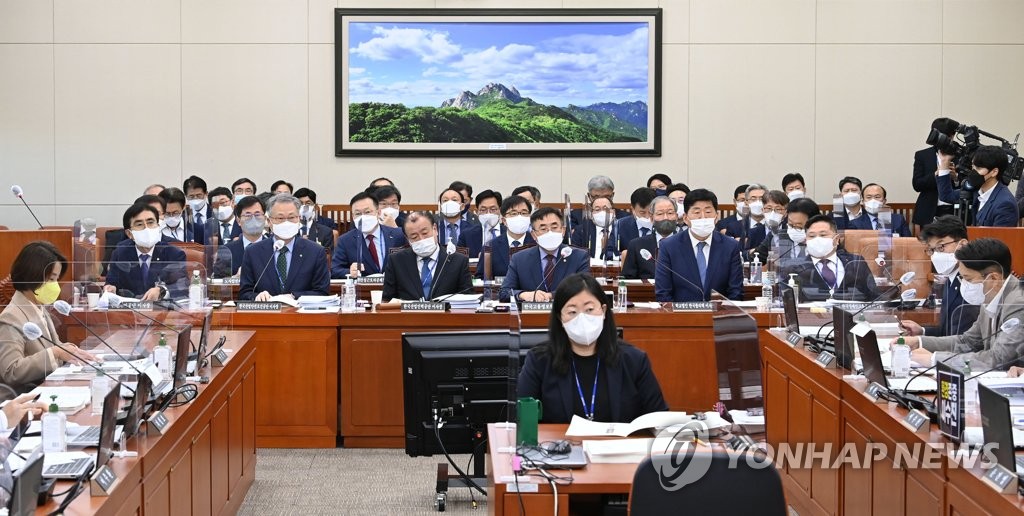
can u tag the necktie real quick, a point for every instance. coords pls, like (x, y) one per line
(303, 229)
(828, 274)
(373, 251)
(282, 266)
(702, 262)
(644, 232)
(516, 243)
(225, 231)
(453, 232)
(494, 233)
(604, 243)
(549, 270)
(874, 222)
(426, 278)
(198, 233)
(145, 269)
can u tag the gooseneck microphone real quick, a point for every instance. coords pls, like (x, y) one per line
(646, 255)
(563, 255)
(32, 331)
(20, 194)
(437, 276)
(62, 307)
(278, 245)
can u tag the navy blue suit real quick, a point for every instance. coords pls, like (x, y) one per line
(631, 383)
(724, 273)
(587, 235)
(635, 266)
(307, 274)
(576, 216)
(626, 231)
(858, 282)
(955, 316)
(865, 221)
(351, 247)
(999, 210)
(733, 227)
(167, 264)
(751, 237)
(525, 271)
(501, 255)
(199, 234)
(442, 230)
(472, 239)
(229, 258)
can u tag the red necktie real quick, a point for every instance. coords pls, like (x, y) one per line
(373, 251)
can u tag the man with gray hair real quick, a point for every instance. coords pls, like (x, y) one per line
(639, 264)
(754, 228)
(598, 187)
(284, 264)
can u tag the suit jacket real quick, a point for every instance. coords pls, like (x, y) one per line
(320, 234)
(351, 247)
(576, 216)
(501, 254)
(635, 266)
(858, 283)
(898, 227)
(983, 347)
(732, 226)
(472, 239)
(626, 231)
(199, 234)
(525, 271)
(307, 275)
(229, 258)
(630, 380)
(402, 276)
(999, 210)
(113, 238)
(926, 208)
(752, 236)
(442, 230)
(24, 363)
(955, 316)
(167, 264)
(214, 229)
(784, 256)
(678, 276)
(586, 236)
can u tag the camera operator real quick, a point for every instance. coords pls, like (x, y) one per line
(926, 162)
(992, 204)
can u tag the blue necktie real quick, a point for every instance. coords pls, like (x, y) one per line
(702, 263)
(145, 269)
(644, 231)
(427, 278)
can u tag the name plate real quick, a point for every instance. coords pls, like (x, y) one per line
(825, 359)
(102, 482)
(530, 306)
(370, 280)
(692, 306)
(1001, 479)
(917, 421)
(423, 306)
(257, 306)
(157, 423)
(794, 339)
(219, 358)
(142, 306)
(231, 281)
(874, 392)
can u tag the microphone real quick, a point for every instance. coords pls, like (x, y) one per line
(905, 280)
(32, 331)
(438, 275)
(20, 194)
(646, 255)
(564, 256)
(62, 307)
(362, 244)
(278, 245)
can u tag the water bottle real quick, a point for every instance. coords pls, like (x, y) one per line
(795, 286)
(195, 292)
(766, 286)
(162, 357)
(54, 429)
(98, 387)
(900, 359)
(621, 300)
(970, 386)
(755, 271)
(348, 303)
(746, 271)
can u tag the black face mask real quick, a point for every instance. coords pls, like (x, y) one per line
(975, 180)
(665, 227)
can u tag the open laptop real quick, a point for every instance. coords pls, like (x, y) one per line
(90, 435)
(25, 490)
(874, 371)
(137, 407)
(536, 458)
(842, 321)
(196, 359)
(78, 467)
(997, 427)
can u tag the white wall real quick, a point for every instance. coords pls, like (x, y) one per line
(99, 99)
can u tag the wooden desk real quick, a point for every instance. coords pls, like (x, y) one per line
(206, 460)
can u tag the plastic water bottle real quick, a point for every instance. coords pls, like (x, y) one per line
(755, 271)
(766, 286)
(195, 291)
(54, 429)
(621, 300)
(162, 357)
(98, 387)
(348, 302)
(970, 386)
(900, 359)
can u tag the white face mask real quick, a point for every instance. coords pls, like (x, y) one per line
(702, 227)
(756, 208)
(306, 212)
(872, 206)
(773, 219)
(680, 211)
(851, 198)
(172, 221)
(146, 238)
(944, 262)
(600, 218)
(239, 197)
(584, 329)
(974, 293)
(550, 241)
(224, 213)
(366, 223)
(389, 212)
(425, 247)
(450, 209)
(518, 225)
(286, 230)
(819, 247)
(741, 207)
(197, 204)
(795, 194)
(644, 222)
(796, 235)
(488, 220)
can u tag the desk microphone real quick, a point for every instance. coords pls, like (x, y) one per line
(62, 307)
(564, 255)
(646, 255)
(32, 331)
(20, 194)
(278, 245)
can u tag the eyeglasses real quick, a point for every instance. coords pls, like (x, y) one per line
(493, 209)
(195, 196)
(278, 220)
(149, 223)
(513, 213)
(941, 248)
(251, 216)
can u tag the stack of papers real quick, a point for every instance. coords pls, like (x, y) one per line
(69, 399)
(459, 301)
(88, 372)
(318, 301)
(658, 421)
(617, 451)
(751, 424)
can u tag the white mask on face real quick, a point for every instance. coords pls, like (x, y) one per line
(819, 247)
(741, 207)
(518, 225)
(600, 218)
(488, 220)
(550, 241)
(425, 247)
(197, 205)
(796, 235)
(702, 227)
(146, 238)
(851, 198)
(286, 230)
(644, 222)
(680, 211)
(224, 213)
(172, 221)
(366, 223)
(756, 208)
(973, 293)
(450, 209)
(306, 212)
(773, 219)
(795, 194)
(944, 262)
(389, 212)
(872, 206)
(584, 329)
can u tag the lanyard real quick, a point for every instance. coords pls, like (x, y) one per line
(588, 412)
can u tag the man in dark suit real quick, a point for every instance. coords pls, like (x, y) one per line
(534, 274)
(733, 226)
(488, 213)
(295, 267)
(115, 237)
(926, 162)
(639, 223)
(700, 260)
(993, 204)
(143, 265)
(223, 226)
(874, 200)
(754, 228)
(851, 190)
(597, 233)
(466, 190)
(789, 243)
(451, 224)
(515, 233)
(249, 213)
(309, 226)
(425, 270)
(830, 272)
(366, 248)
(199, 211)
(665, 216)
(389, 202)
(597, 187)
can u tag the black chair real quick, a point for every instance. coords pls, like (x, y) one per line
(703, 482)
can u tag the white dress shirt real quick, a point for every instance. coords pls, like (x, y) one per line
(837, 267)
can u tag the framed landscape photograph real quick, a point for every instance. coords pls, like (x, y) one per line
(498, 82)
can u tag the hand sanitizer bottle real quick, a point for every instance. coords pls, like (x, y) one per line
(99, 387)
(162, 357)
(54, 429)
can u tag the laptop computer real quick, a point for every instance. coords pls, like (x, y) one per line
(25, 490)
(90, 435)
(137, 407)
(874, 370)
(536, 458)
(997, 428)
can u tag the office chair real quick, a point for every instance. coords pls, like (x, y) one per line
(741, 490)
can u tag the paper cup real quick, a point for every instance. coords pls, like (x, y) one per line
(376, 297)
(92, 299)
(763, 303)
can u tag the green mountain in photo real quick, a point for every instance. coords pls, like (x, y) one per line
(496, 114)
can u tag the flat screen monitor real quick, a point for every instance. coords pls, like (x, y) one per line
(25, 489)
(137, 409)
(843, 322)
(789, 310)
(738, 358)
(181, 355)
(871, 359)
(108, 423)
(997, 425)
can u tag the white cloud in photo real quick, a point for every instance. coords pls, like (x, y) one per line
(397, 43)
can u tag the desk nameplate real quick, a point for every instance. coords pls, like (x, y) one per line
(825, 359)
(257, 306)
(917, 421)
(875, 392)
(138, 306)
(157, 423)
(1001, 479)
(370, 280)
(102, 482)
(692, 306)
(530, 306)
(424, 306)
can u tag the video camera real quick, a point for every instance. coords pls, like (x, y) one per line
(943, 136)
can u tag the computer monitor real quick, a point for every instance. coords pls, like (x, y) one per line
(871, 359)
(204, 336)
(789, 309)
(997, 425)
(137, 408)
(738, 358)
(181, 355)
(842, 320)
(108, 423)
(25, 489)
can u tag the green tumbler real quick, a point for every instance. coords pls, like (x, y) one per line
(529, 410)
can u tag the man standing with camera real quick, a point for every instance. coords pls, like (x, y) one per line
(993, 204)
(926, 162)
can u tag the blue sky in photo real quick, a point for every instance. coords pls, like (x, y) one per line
(424, 64)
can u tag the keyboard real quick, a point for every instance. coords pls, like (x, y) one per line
(71, 469)
(89, 437)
